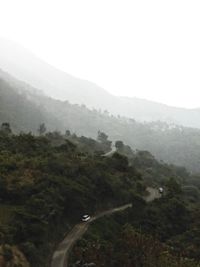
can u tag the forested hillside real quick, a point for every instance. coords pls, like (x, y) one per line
(99, 133)
(49, 181)
(46, 187)
(164, 232)
(25, 108)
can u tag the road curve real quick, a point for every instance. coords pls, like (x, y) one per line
(110, 153)
(60, 256)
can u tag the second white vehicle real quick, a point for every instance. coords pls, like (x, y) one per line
(160, 190)
(85, 218)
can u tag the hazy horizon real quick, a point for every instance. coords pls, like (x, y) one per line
(145, 50)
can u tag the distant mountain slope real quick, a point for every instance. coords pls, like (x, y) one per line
(25, 108)
(17, 106)
(25, 66)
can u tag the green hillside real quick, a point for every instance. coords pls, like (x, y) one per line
(49, 181)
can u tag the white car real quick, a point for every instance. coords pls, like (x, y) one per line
(85, 218)
(160, 190)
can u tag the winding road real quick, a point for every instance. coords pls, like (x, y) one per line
(60, 256)
(108, 154)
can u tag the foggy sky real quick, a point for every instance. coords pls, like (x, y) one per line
(148, 49)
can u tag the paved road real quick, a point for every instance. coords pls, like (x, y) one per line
(108, 154)
(60, 256)
(153, 194)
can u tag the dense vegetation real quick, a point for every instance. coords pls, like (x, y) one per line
(164, 233)
(47, 183)
(124, 246)
(50, 176)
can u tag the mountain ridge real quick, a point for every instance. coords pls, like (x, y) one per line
(60, 85)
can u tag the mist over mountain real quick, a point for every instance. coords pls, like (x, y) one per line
(19, 106)
(99, 134)
(49, 178)
(25, 66)
(25, 108)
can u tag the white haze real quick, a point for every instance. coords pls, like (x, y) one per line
(148, 49)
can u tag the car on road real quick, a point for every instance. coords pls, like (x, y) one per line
(85, 218)
(160, 190)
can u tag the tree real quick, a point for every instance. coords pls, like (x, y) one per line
(120, 162)
(42, 129)
(173, 188)
(67, 133)
(5, 128)
(102, 137)
(119, 145)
